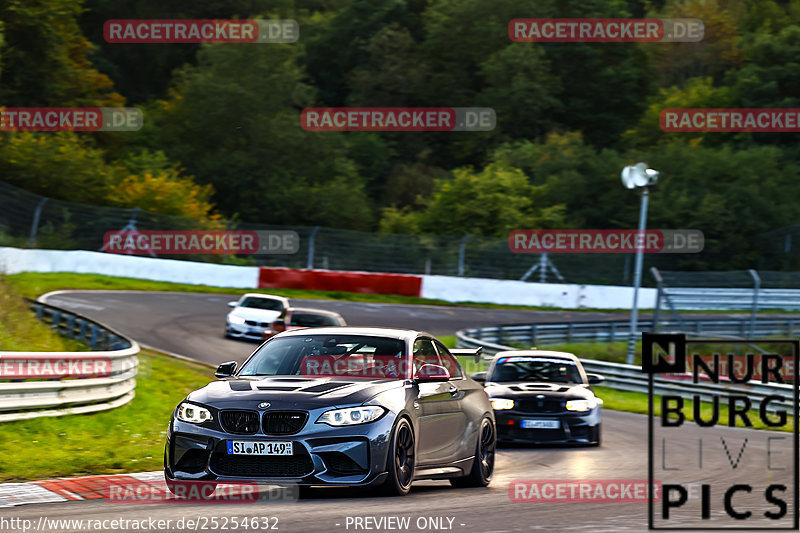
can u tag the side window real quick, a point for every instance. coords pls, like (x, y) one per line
(424, 354)
(449, 362)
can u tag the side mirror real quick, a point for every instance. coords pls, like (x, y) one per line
(232, 304)
(226, 370)
(428, 373)
(594, 378)
(480, 377)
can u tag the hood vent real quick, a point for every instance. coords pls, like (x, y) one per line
(273, 387)
(240, 385)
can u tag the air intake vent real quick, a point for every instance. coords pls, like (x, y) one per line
(239, 422)
(283, 422)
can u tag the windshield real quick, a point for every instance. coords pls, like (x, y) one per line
(540, 369)
(312, 320)
(351, 356)
(267, 304)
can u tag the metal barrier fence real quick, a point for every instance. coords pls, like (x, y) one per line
(33, 221)
(617, 331)
(630, 377)
(83, 391)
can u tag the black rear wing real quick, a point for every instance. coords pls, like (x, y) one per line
(475, 353)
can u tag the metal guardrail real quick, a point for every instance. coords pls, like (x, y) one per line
(617, 331)
(630, 377)
(25, 399)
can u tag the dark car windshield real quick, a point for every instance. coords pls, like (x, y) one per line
(351, 356)
(541, 369)
(313, 320)
(262, 303)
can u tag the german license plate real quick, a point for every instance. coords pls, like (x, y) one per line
(539, 424)
(250, 447)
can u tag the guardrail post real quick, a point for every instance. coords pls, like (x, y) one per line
(699, 327)
(569, 332)
(660, 288)
(612, 333)
(71, 326)
(462, 252)
(56, 320)
(82, 330)
(39, 311)
(791, 327)
(534, 335)
(311, 241)
(756, 289)
(94, 335)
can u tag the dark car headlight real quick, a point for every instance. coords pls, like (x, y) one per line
(581, 406)
(351, 416)
(189, 412)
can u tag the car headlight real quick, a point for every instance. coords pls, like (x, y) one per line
(352, 415)
(235, 319)
(500, 404)
(188, 412)
(581, 405)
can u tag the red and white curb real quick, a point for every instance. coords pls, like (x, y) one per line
(68, 489)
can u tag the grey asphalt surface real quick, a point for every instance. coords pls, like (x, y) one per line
(191, 324)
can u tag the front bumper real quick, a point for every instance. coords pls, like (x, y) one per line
(246, 331)
(573, 427)
(322, 455)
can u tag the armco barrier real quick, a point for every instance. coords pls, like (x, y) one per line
(26, 399)
(332, 280)
(630, 377)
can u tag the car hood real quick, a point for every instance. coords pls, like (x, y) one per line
(524, 389)
(261, 315)
(291, 392)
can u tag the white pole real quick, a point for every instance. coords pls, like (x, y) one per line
(637, 277)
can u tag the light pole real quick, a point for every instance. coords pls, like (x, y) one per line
(642, 177)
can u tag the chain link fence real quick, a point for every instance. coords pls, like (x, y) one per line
(28, 220)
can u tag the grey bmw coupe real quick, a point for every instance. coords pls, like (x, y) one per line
(337, 406)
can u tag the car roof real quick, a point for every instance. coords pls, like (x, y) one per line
(315, 311)
(394, 333)
(537, 353)
(265, 296)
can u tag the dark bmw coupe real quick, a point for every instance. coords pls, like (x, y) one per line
(542, 396)
(337, 406)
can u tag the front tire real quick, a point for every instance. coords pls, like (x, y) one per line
(400, 461)
(483, 466)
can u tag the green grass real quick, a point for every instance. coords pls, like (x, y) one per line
(32, 285)
(21, 331)
(126, 439)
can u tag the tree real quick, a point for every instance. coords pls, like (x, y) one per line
(45, 57)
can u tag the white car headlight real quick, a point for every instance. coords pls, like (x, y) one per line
(235, 319)
(351, 416)
(189, 412)
(581, 405)
(500, 404)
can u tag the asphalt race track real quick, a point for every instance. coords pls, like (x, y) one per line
(192, 324)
